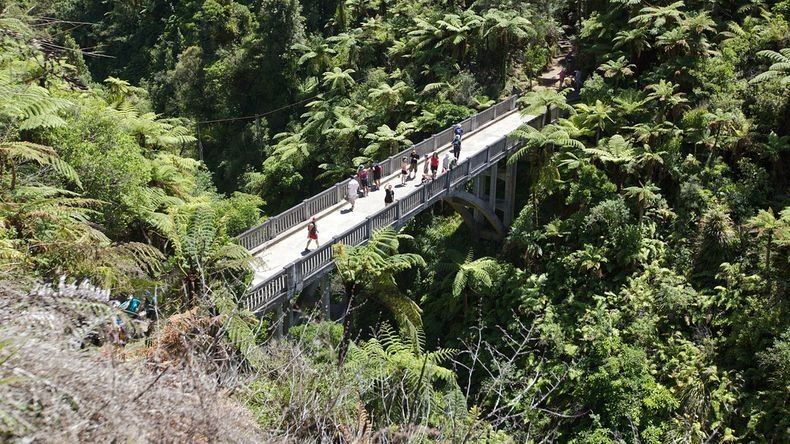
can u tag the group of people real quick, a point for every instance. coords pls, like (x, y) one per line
(363, 182)
(408, 170)
(368, 179)
(136, 310)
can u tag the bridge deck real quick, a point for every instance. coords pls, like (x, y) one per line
(288, 246)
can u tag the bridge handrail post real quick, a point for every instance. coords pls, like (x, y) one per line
(447, 181)
(368, 227)
(424, 196)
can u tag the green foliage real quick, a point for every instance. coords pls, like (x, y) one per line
(640, 295)
(370, 269)
(409, 376)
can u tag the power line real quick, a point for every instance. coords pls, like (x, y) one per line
(257, 116)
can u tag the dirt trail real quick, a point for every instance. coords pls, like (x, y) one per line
(550, 77)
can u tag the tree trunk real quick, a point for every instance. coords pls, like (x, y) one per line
(13, 174)
(768, 258)
(346, 338)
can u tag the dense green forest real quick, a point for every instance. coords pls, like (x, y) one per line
(640, 296)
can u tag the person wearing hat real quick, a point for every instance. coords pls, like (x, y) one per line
(458, 130)
(352, 190)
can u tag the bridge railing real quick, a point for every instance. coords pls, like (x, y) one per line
(292, 217)
(287, 282)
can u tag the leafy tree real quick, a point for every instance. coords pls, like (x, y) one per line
(595, 116)
(766, 226)
(338, 80)
(643, 195)
(617, 69)
(669, 102)
(542, 102)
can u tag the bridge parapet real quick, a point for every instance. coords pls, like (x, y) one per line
(259, 235)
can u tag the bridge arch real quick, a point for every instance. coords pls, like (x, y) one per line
(462, 201)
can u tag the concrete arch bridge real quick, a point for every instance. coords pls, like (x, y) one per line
(487, 205)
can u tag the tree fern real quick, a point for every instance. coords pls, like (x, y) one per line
(18, 152)
(403, 374)
(780, 69)
(238, 327)
(370, 269)
(30, 106)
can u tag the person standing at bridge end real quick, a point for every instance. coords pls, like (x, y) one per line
(312, 234)
(352, 190)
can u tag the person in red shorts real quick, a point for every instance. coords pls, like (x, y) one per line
(312, 234)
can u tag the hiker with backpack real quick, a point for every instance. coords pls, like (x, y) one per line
(312, 234)
(458, 130)
(131, 305)
(404, 172)
(446, 163)
(457, 146)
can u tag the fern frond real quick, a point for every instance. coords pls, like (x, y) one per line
(41, 154)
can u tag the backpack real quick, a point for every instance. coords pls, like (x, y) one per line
(377, 168)
(312, 228)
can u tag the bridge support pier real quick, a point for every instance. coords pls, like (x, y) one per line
(278, 320)
(487, 208)
(509, 203)
(326, 294)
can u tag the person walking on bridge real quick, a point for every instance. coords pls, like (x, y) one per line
(458, 130)
(415, 159)
(457, 146)
(352, 190)
(312, 234)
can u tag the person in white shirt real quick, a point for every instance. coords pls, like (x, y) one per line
(352, 189)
